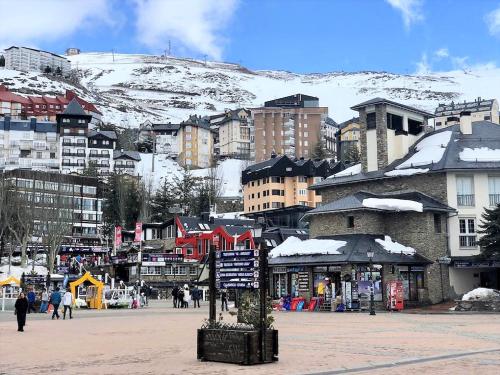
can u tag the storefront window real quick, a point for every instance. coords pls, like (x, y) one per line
(413, 279)
(294, 284)
(280, 287)
(364, 278)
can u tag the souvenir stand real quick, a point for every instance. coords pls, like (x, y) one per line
(94, 291)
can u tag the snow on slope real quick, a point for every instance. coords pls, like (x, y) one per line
(227, 172)
(129, 89)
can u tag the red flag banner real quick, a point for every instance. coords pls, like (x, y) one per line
(118, 236)
(138, 232)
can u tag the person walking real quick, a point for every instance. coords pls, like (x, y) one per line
(180, 298)
(196, 296)
(68, 303)
(223, 299)
(31, 300)
(175, 296)
(45, 301)
(20, 310)
(55, 300)
(187, 296)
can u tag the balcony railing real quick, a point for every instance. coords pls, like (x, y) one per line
(494, 199)
(99, 155)
(66, 153)
(466, 200)
(124, 166)
(72, 164)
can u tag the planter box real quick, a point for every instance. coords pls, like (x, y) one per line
(235, 346)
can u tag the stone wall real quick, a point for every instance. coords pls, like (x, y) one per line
(381, 118)
(362, 140)
(432, 184)
(491, 305)
(336, 224)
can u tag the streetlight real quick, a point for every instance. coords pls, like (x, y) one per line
(370, 253)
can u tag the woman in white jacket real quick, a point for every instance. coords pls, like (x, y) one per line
(187, 296)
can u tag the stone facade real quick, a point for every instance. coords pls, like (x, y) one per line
(412, 229)
(381, 119)
(362, 140)
(432, 184)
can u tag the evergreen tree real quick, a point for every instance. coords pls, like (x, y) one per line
(162, 201)
(490, 228)
(320, 151)
(91, 169)
(185, 190)
(2, 61)
(352, 154)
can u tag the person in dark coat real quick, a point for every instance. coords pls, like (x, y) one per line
(180, 298)
(195, 293)
(175, 295)
(223, 299)
(20, 309)
(31, 301)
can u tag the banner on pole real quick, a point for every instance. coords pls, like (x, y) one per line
(118, 236)
(138, 232)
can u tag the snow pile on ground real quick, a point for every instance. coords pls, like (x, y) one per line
(429, 150)
(406, 172)
(481, 294)
(228, 172)
(355, 169)
(166, 169)
(481, 154)
(17, 271)
(295, 246)
(395, 247)
(390, 204)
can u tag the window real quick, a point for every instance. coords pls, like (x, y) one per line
(465, 191)
(394, 122)
(306, 134)
(306, 143)
(487, 118)
(181, 270)
(302, 179)
(371, 121)
(193, 271)
(350, 221)
(189, 251)
(277, 205)
(302, 192)
(438, 123)
(258, 195)
(494, 189)
(276, 192)
(437, 223)
(188, 128)
(467, 232)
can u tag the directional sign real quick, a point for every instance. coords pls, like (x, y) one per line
(245, 264)
(223, 274)
(237, 284)
(237, 269)
(238, 254)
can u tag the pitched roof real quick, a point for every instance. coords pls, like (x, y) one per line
(117, 154)
(378, 100)
(453, 108)
(110, 134)
(74, 108)
(355, 202)
(354, 251)
(485, 134)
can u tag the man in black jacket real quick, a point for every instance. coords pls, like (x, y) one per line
(175, 295)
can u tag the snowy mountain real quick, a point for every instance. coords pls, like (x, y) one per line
(129, 89)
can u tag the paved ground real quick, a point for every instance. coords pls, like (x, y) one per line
(161, 340)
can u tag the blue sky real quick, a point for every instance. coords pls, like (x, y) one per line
(403, 36)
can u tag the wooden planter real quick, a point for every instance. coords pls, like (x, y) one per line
(235, 346)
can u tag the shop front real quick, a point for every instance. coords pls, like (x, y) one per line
(468, 273)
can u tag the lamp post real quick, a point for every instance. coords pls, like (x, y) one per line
(370, 253)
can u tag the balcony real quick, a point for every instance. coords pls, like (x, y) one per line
(466, 200)
(494, 199)
(99, 156)
(39, 146)
(72, 164)
(125, 166)
(25, 145)
(79, 154)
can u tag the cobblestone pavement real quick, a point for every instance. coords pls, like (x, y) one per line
(161, 340)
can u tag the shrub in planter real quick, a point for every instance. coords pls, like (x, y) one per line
(249, 309)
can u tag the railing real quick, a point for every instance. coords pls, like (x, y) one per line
(99, 155)
(468, 241)
(72, 164)
(65, 153)
(494, 199)
(465, 200)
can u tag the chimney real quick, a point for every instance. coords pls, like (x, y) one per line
(465, 122)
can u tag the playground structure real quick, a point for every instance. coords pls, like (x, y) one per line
(94, 293)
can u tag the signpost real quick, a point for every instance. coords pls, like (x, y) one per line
(237, 269)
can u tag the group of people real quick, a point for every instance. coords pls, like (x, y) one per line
(182, 296)
(25, 304)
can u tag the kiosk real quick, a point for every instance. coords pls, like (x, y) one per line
(9, 288)
(94, 292)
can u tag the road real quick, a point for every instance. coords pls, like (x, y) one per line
(162, 340)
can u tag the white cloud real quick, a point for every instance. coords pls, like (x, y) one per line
(492, 20)
(195, 25)
(423, 66)
(29, 22)
(442, 53)
(411, 10)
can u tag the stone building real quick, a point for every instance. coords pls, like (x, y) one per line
(481, 110)
(457, 166)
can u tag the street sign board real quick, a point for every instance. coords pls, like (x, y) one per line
(237, 269)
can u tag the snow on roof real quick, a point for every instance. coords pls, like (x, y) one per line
(295, 246)
(395, 247)
(481, 154)
(481, 294)
(429, 150)
(355, 169)
(391, 204)
(406, 172)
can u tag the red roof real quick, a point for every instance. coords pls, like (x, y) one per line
(36, 99)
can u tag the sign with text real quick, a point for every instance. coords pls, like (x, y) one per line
(237, 269)
(304, 282)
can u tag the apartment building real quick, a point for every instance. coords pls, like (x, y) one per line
(282, 182)
(28, 144)
(330, 131)
(289, 126)
(480, 109)
(73, 129)
(457, 166)
(78, 197)
(160, 138)
(196, 142)
(101, 145)
(235, 134)
(34, 60)
(125, 162)
(44, 108)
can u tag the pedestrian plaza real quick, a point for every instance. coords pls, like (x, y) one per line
(161, 340)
